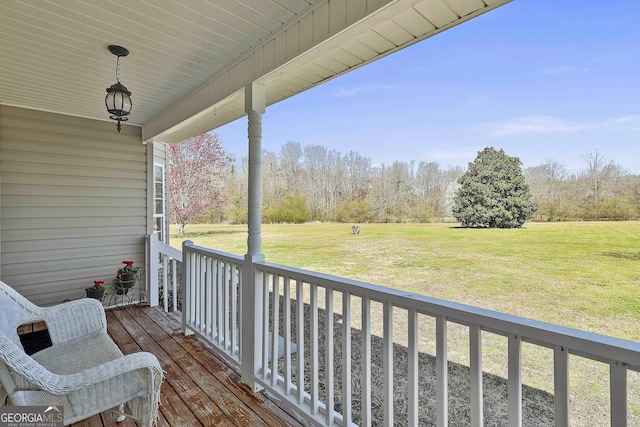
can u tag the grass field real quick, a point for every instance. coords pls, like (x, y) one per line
(584, 275)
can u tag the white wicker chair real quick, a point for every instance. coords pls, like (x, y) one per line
(83, 371)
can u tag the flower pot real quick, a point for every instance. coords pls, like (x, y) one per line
(130, 277)
(96, 292)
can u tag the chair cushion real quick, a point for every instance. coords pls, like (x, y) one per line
(79, 354)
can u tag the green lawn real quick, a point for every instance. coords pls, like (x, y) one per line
(584, 275)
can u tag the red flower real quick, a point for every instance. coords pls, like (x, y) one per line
(97, 283)
(118, 276)
(129, 263)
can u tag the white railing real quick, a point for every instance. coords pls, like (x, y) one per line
(309, 320)
(164, 277)
(211, 299)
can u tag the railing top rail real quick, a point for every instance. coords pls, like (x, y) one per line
(188, 245)
(588, 344)
(169, 250)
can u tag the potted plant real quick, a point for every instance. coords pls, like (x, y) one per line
(126, 277)
(96, 291)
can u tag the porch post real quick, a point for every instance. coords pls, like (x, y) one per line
(252, 290)
(152, 281)
(254, 107)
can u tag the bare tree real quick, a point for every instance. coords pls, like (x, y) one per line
(546, 183)
(291, 165)
(357, 181)
(595, 165)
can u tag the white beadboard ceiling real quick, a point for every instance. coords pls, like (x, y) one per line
(189, 60)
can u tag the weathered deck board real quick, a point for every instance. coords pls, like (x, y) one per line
(211, 379)
(268, 411)
(199, 389)
(229, 404)
(198, 402)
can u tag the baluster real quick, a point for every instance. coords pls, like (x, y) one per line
(346, 359)
(328, 353)
(165, 285)
(413, 368)
(300, 339)
(475, 370)
(196, 294)
(515, 381)
(204, 320)
(286, 310)
(226, 304)
(366, 362)
(265, 326)
(618, 394)
(185, 289)
(174, 285)
(387, 363)
(233, 287)
(193, 287)
(314, 348)
(442, 399)
(211, 291)
(215, 328)
(220, 302)
(561, 386)
(275, 328)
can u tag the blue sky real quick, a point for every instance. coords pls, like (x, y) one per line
(541, 79)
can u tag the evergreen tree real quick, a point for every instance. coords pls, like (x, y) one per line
(493, 192)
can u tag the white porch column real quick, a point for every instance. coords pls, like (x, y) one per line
(252, 290)
(254, 101)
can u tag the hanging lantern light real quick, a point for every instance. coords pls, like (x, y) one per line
(118, 99)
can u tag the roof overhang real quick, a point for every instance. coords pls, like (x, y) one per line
(189, 65)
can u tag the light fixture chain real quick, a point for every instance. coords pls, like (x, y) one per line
(118, 69)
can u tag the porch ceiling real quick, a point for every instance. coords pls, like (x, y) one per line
(189, 61)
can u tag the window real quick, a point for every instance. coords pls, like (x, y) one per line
(159, 202)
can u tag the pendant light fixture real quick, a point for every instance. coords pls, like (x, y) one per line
(118, 99)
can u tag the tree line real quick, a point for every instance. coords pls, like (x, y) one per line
(314, 183)
(304, 183)
(603, 190)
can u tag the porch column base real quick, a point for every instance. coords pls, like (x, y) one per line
(252, 312)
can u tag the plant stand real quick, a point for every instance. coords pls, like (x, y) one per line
(125, 292)
(122, 292)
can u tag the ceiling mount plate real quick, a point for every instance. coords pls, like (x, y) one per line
(118, 50)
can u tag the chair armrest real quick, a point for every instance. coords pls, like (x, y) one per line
(74, 319)
(61, 385)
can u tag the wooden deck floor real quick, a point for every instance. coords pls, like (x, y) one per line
(199, 389)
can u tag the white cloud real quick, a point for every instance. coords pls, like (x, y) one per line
(550, 124)
(559, 70)
(352, 91)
